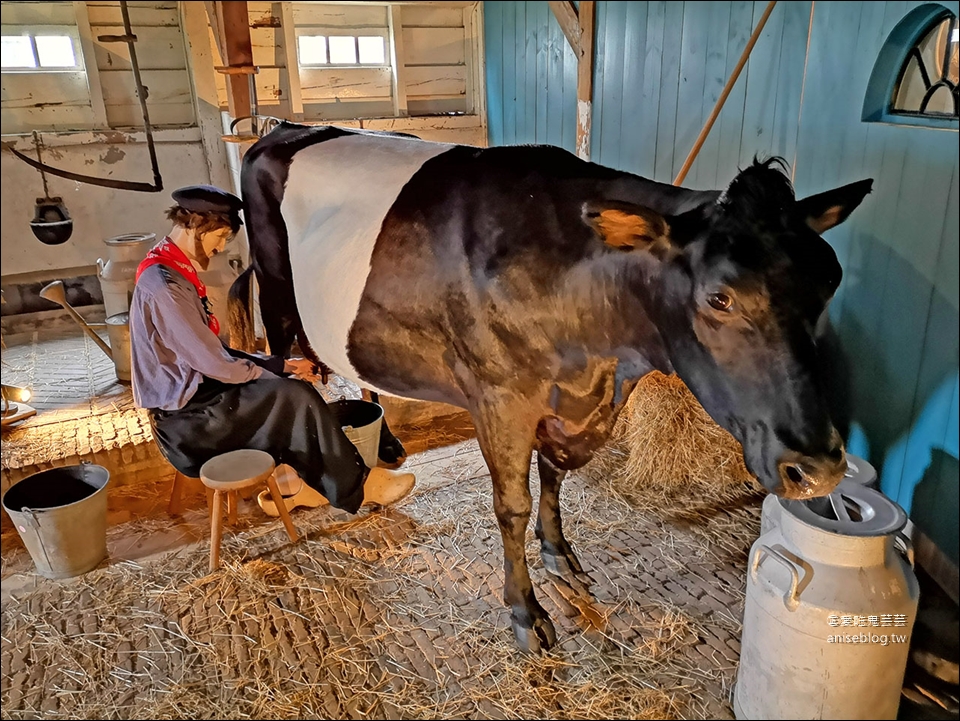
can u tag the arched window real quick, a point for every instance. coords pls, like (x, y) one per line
(915, 78)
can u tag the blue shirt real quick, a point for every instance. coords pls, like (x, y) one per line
(173, 349)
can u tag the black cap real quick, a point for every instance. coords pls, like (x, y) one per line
(207, 199)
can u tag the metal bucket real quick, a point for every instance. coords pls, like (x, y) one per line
(361, 421)
(118, 330)
(61, 515)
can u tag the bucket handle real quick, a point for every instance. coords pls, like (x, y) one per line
(31, 516)
(791, 599)
(903, 544)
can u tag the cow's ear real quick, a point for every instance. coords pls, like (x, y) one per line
(826, 210)
(628, 227)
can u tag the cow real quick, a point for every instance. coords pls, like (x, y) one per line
(535, 289)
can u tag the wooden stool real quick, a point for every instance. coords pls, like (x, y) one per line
(230, 472)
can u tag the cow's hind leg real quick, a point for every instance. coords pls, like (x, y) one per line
(556, 552)
(507, 453)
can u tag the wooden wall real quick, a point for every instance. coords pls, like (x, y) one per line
(660, 66)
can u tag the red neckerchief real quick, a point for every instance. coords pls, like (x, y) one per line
(167, 253)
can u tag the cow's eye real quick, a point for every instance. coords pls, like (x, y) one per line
(720, 301)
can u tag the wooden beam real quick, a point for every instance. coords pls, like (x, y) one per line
(567, 16)
(587, 22)
(216, 24)
(292, 58)
(88, 50)
(238, 53)
(399, 80)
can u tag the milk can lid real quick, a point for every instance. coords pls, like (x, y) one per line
(851, 510)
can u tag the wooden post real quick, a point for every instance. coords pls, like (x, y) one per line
(723, 96)
(231, 25)
(578, 28)
(399, 84)
(587, 17)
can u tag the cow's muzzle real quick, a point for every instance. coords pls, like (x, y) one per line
(803, 476)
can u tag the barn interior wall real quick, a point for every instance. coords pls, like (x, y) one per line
(660, 67)
(100, 133)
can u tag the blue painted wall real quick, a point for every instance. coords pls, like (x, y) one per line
(660, 67)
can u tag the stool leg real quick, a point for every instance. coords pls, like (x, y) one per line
(281, 508)
(216, 529)
(173, 508)
(232, 507)
(210, 494)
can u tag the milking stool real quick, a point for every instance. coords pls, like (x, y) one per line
(229, 473)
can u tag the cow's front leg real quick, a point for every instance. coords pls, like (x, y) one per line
(506, 449)
(557, 554)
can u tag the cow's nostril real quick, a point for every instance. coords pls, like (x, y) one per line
(796, 475)
(836, 455)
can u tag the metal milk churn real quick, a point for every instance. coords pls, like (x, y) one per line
(831, 603)
(118, 274)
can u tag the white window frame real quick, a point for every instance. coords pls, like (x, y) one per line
(328, 32)
(33, 31)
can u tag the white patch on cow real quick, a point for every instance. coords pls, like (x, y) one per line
(337, 194)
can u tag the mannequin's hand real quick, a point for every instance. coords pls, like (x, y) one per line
(301, 368)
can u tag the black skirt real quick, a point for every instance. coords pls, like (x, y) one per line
(284, 417)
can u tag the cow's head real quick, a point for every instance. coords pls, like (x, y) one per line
(739, 286)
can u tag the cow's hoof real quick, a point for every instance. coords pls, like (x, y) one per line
(391, 451)
(566, 567)
(541, 637)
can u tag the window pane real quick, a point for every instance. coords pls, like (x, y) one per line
(343, 50)
(16, 51)
(56, 51)
(372, 51)
(313, 49)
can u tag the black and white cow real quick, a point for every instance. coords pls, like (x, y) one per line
(535, 289)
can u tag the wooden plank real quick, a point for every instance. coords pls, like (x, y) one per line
(345, 84)
(436, 81)
(154, 14)
(670, 82)
(270, 87)
(793, 50)
(30, 90)
(291, 61)
(646, 131)
(715, 77)
(398, 50)
(87, 49)
(632, 110)
(59, 118)
(159, 48)
(130, 116)
(433, 46)
(492, 29)
(609, 88)
(542, 23)
(556, 44)
(423, 16)
(587, 17)
(473, 57)
(163, 86)
(693, 65)
(731, 118)
(527, 77)
(350, 16)
(761, 81)
(569, 22)
(36, 13)
(510, 42)
(267, 46)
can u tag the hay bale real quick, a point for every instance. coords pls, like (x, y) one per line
(665, 449)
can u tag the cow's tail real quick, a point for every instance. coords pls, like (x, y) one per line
(240, 313)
